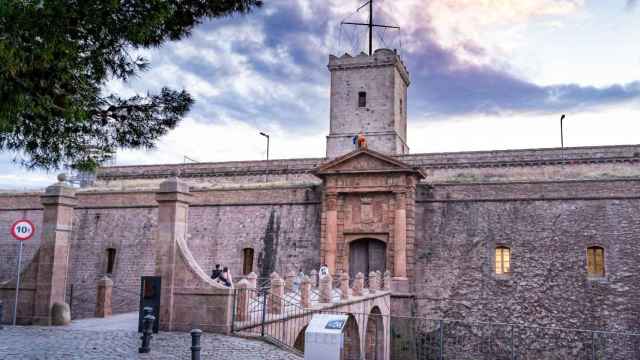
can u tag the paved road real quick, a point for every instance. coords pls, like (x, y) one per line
(53, 343)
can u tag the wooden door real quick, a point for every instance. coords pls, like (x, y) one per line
(358, 258)
(366, 255)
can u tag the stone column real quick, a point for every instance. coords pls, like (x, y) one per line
(276, 295)
(103, 297)
(373, 282)
(387, 281)
(344, 286)
(314, 278)
(53, 256)
(331, 246)
(305, 292)
(288, 282)
(400, 244)
(358, 284)
(252, 278)
(244, 294)
(326, 289)
(173, 210)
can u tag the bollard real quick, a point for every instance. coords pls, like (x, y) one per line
(147, 331)
(147, 310)
(195, 344)
(1, 313)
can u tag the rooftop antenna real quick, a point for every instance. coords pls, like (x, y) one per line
(370, 24)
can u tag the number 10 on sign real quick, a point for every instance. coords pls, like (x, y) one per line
(21, 230)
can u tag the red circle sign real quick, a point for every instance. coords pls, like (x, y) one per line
(23, 230)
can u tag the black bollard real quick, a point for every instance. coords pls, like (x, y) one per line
(1, 313)
(195, 344)
(147, 310)
(147, 331)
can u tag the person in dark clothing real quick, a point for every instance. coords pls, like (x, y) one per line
(225, 276)
(215, 273)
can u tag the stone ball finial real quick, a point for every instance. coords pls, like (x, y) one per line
(62, 177)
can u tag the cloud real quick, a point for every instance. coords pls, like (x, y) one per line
(631, 4)
(270, 66)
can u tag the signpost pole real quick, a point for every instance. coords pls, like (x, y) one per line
(15, 305)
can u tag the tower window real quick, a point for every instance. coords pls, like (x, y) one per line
(111, 259)
(595, 261)
(247, 264)
(503, 260)
(362, 99)
(401, 107)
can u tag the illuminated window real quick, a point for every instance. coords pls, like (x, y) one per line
(111, 260)
(503, 260)
(247, 265)
(595, 261)
(362, 99)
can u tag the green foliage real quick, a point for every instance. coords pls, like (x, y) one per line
(57, 55)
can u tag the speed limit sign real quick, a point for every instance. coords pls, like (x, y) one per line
(23, 230)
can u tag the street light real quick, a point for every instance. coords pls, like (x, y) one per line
(267, 136)
(562, 131)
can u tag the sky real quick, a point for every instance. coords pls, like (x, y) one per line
(486, 75)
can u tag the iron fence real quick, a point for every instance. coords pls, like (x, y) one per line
(427, 339)
(285, 326)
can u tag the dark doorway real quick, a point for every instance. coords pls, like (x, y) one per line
(366, 255)
(150, 296)
(247, 264)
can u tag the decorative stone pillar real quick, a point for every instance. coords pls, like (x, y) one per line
(331, 230)
(276, 295)
(252, 278)
(387, 280)
(314, 278)
(173, 200)
(242, 304)
(358, 284)
(326, 289)
(53, 256)
(373, 282)
(344, 286)
(288, 282)
(305, 292)
(400, 244)
(103, 297)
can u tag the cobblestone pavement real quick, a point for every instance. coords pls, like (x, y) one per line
(33, 342)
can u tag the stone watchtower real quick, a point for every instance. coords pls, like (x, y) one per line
(368, 94)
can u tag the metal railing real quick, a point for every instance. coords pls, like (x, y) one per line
(286, 327)
(428, 339)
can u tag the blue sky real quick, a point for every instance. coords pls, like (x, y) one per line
(486, 74)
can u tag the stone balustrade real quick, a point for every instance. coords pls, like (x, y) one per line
(283, 292)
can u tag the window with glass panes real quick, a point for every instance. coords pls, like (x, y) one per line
(503, 260)
(595, 261)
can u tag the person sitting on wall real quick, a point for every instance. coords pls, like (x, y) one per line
(215, 273)
(324, 271)
(225, 276)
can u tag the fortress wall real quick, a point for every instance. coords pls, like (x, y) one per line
(548, 227)
(131, 231)
(599, 162)
(280, 222)
(9, 246)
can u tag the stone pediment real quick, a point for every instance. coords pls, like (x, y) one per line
(365, 161)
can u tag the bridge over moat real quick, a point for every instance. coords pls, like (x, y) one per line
(281, 311)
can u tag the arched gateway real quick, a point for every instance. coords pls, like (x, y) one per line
(368, 211)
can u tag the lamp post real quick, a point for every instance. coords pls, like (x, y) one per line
(562, 131)
(267, 136)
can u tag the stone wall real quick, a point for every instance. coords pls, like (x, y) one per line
(599, 162)
(548, 226)
(281, 224)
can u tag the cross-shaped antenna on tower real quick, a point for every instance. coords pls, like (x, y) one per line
(370, 24)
